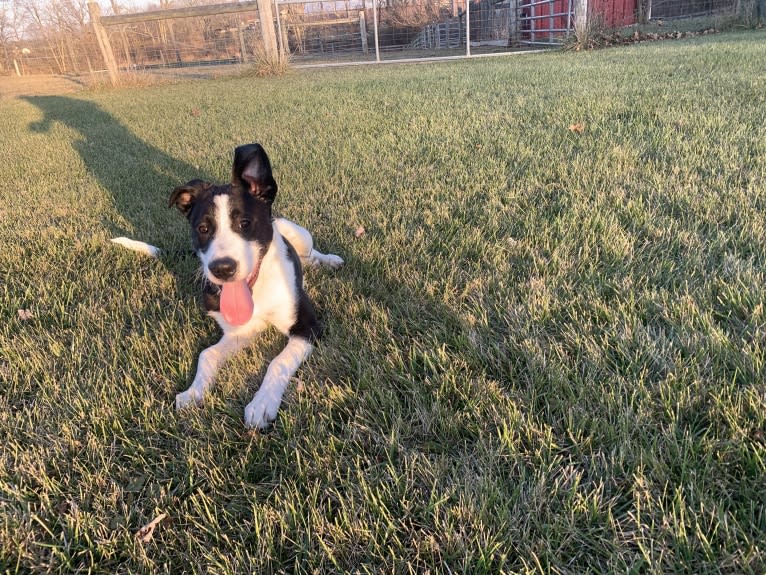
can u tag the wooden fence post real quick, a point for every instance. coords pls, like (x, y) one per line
(375, 28)
(281, 34)
(513, 22)
(170, 26)
(266, 16)
(581, 20)
(242, 50)
(363, 31)
(103, 41)
(283, 17)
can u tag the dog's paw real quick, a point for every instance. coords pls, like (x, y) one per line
(330, 260)
(260, 412)
(136, 246)
(333, 261)
(316, 258)
(190, 397)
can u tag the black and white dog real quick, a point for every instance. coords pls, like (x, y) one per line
(252, 267)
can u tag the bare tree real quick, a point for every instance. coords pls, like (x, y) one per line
(5, 36)
(13, 25)
(415, 13)
(14, 19)
(68, 19)
(40, 26)
(56, 24)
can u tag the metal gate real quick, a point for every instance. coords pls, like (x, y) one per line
(545, 22)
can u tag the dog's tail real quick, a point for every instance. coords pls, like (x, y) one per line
(136, 246)
(301, 240)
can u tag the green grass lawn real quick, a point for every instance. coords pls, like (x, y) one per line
(546, 353)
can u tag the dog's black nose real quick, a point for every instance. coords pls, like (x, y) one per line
(223, 268)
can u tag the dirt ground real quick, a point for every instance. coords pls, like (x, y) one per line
(54, 84)
(44, 85)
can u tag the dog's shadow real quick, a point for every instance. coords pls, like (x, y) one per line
(138, 176)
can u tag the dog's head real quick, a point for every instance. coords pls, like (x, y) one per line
(231, 225)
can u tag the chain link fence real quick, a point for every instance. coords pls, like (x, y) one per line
(318, 32)
(690, 8)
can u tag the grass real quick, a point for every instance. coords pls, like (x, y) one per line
(598, 36)
(546, 354)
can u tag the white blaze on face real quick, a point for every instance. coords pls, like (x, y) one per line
(226, 243)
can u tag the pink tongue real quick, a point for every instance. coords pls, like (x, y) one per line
(236, 302)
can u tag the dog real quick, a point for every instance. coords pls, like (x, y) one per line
(253, 276)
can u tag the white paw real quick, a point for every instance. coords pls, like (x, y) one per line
(333, 261)
(137, 246)
(190, 397)
(260, 412)
(329, 260)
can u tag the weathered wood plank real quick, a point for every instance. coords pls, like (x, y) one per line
(328, 22)
(172, 13)
(103, 41)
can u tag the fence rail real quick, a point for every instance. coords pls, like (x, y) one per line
(448, 34)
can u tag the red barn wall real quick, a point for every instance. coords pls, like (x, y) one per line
(543, 21)
(608, 13)
(613, 13)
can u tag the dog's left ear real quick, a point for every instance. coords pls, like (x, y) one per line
(183, 197)
(252, 170)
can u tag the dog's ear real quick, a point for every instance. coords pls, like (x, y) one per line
(183, 197)
(252, 170)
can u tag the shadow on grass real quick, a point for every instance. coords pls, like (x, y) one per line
(139, 176)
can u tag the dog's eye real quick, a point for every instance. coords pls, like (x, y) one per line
(203, 229)
(244, 224)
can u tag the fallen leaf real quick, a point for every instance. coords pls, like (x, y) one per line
(62, 507)
(195, 112)
(146, 533)
(25, 314)
(136, 483)
(359, 232)
(578, 128)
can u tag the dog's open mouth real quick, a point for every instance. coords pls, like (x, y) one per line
(237, 299)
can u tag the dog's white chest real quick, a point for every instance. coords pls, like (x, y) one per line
(274, 294)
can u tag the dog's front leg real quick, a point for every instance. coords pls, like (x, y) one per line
(209, 361)
(263, 408)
